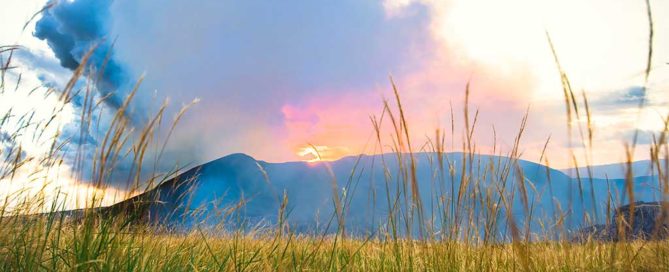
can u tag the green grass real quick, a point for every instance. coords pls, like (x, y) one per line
(49, 244)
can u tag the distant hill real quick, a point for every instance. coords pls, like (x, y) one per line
(368, 187)
(615, 170)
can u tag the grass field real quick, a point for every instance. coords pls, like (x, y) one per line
(46, 245)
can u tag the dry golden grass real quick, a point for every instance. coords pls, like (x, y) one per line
(46, 245)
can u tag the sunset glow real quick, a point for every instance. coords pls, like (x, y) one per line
(322, 153)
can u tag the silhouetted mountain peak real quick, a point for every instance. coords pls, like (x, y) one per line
(234, 158)
(230, 162)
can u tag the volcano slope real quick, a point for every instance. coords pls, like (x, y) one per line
(480, 195)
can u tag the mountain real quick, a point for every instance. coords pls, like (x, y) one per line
(616, 170)
(376, 192)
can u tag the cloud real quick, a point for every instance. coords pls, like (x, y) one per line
(48, 70)
(309, 72)
(629, 97)
(644, 137)
(249, 59)
(72, 29)
(275, 76)
(7, 147)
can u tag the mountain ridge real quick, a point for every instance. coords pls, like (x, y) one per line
(615, 170)
(308, 187)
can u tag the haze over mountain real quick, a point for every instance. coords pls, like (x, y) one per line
(374, 188)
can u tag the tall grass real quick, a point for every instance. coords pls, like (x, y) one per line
(457, 227)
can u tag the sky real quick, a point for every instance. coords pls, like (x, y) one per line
(277, 80)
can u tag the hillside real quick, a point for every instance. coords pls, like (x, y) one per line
(366, 185)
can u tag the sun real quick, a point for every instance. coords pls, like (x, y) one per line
(311, 153)
(319, 153)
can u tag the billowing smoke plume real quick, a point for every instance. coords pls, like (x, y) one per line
(72, 29)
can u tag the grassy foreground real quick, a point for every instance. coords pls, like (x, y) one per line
(51, 244)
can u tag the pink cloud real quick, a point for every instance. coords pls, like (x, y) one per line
(427, 93)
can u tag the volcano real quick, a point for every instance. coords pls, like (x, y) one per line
(363, 193)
